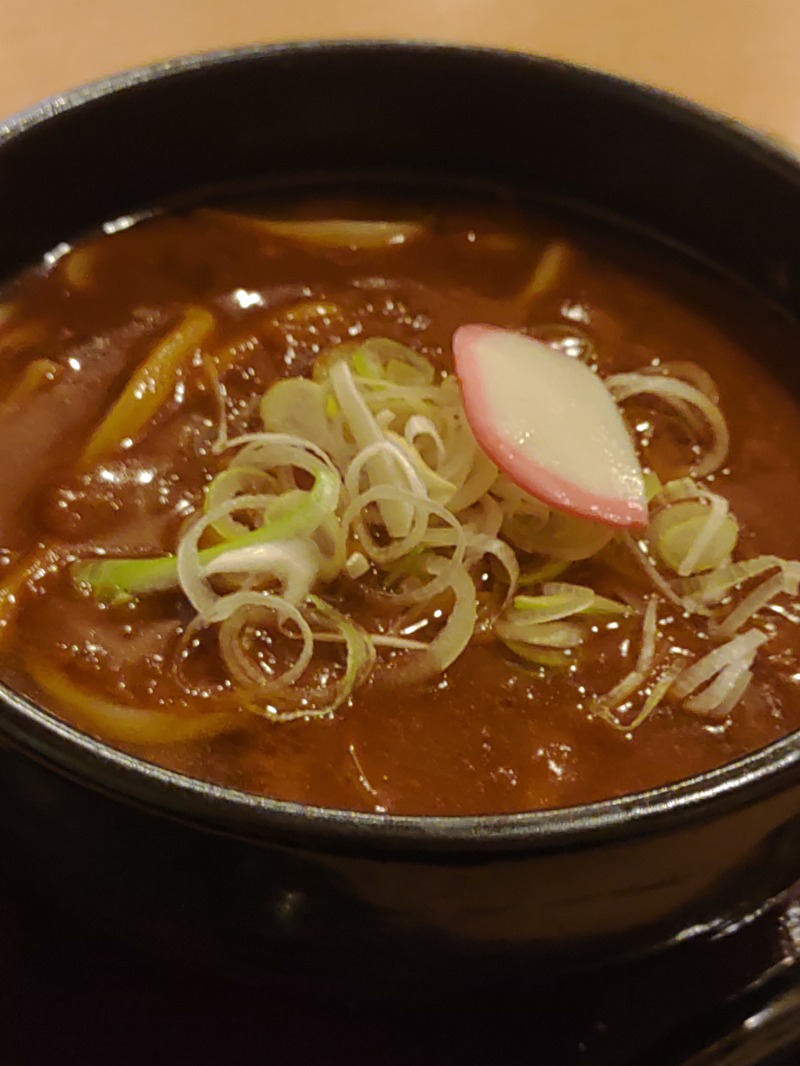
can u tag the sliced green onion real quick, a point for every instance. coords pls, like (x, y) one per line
(634, 680)
(713, 588)
(679, 394)
(479, 546)
(115, 580)
(319, 701)
(398, 363)
(601, 605)
(545, 572)
(549, 608)
(301, 409)
(727, 668)
(653, 701)
(240, 610)
(691, 528)
(695, 539)
(696, 675)
(663, 586)
(652, 484)
(366, 431)
(456, 633)
(540, 621)
(559, 536)
(546, 634)
(534, 653)
(235, 481)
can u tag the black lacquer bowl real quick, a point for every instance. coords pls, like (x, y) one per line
(171, 859)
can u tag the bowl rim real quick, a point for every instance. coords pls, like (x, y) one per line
(212, 807)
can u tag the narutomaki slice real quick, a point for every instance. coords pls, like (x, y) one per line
(549, 423)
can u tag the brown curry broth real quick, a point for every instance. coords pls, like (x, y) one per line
(492, 735)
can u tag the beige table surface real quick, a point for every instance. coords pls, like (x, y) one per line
(741, 56)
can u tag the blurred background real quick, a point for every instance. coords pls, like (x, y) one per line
(739, 56)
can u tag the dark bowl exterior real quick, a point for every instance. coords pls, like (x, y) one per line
(172, 859)
(477, 921)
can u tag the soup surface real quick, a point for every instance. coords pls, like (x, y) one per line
(231, 306)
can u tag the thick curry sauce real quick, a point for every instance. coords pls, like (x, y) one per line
(491, 735)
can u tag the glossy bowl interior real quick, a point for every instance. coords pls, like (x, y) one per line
(371, 112)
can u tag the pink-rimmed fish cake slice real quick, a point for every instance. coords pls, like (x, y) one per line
(550, 424)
